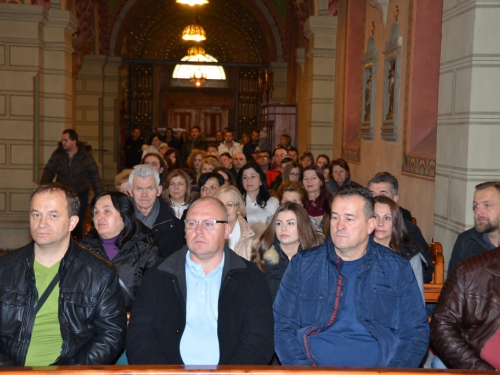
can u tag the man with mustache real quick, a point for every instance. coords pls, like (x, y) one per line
(350, 302)
(484, 236)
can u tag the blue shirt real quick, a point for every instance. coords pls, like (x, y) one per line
(346, 342)
(199, 342)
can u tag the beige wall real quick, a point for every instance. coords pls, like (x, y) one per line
(416, 193)
(33, 41)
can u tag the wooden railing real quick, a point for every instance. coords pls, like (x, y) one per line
(228, 370)
(433, 289)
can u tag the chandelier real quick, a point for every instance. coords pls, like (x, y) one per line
(198, 78)
(196, 51)
(194, 32)
(192, 2)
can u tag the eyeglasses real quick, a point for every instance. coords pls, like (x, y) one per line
(230, 205)
(207, 224)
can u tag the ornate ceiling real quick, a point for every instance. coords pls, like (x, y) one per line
(152, 30)
(239, 31)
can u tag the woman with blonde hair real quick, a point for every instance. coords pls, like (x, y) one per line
(241, 236)
(195, 161)
(290, 231)
(210, 163)
(121, 181)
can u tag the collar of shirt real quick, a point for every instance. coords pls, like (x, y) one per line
(197, 269)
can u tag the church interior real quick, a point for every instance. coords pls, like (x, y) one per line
(405, 86)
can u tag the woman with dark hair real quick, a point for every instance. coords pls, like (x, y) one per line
(306, 159)
(155, 160)
(227, 175)
(178, 192)
(318, 200)
(252, 185)
(290, 231)
(340, 175)
(173, 155)
(208, 183)
(170, 139)
(117, 236)
(390, 231)
(322, 160)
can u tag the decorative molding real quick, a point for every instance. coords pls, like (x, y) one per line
(381, 6)
(300, 57)
(369, 90)
(421, 167)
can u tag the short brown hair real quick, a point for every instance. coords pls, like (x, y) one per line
(73, 203)
(293, 186)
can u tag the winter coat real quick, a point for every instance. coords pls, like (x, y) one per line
(91, 313)
(78, 176)
(135, 257)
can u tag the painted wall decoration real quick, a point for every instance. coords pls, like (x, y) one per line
(369, 89)
(392, 82)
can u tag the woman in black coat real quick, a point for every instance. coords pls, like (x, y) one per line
(117, 236)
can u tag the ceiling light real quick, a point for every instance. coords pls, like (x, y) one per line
(194, 32)
(198, 78)
(193, 2)
(195, 51)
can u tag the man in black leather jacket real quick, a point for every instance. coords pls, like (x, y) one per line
(83, 319)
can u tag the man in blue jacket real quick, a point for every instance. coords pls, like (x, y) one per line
(351, 301)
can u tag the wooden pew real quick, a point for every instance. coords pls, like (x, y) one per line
(228, 370)
(433, 289)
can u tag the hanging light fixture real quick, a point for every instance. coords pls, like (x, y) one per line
(194, 32)
(196, 51)
(192, 2)
(198, 78)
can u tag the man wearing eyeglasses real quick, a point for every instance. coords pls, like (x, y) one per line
(263, 159)
(205, 305)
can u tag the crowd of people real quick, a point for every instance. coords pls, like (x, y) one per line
(222, 255)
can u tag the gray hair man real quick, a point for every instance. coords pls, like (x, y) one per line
(153, 210)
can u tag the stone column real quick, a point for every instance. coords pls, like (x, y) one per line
(468, 131)
(320, 59)
(279, 81)
(34, 42)
(97, 87)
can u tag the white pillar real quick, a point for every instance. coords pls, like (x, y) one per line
(468, 115)
(321, 33)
